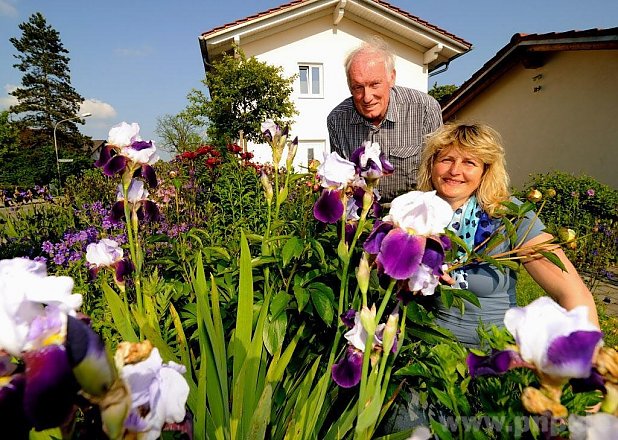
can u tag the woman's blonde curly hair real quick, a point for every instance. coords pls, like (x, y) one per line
(480, 141)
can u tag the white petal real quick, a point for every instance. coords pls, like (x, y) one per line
(335, 171)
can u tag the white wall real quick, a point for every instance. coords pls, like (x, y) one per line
(319, 42)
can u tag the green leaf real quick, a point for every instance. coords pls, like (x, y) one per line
(446, 296)
(468, 295)
(554, 259)
(120, 314)
(442, 397)
(261, 416)
(440, 430)
(279, 303)
(244, 314)
(274, 333)
(323, 299)
(48, 434)
(302, 296)
(293, 248)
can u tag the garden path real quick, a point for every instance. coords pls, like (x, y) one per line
(607, 293)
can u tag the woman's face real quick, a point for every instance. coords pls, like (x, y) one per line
(456, 175)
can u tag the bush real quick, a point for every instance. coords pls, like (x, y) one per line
(589, 208)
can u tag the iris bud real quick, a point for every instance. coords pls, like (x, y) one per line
(363, 273)
(534, 196)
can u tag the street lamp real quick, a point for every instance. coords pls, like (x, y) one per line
(84, 115)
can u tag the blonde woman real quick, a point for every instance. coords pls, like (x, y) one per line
(465, 164)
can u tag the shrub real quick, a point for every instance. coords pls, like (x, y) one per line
(589, 208)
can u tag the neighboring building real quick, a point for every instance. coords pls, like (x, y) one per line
(554, 99)
(310, 38)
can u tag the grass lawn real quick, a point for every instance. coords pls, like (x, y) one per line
(528, 290)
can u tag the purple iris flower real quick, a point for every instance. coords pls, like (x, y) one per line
(335, 174)
(127, 153)
(407, 242)
(370, 161)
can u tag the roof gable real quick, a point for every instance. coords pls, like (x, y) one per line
(393, 21)
(531, 51)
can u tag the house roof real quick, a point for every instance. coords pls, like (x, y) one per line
(531, 50)
(389, 19)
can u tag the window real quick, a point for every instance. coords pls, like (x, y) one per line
(310, 76)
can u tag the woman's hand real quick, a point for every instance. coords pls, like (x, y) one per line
(447, 279)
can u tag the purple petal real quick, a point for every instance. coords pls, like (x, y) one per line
(86, 353)
(12, 417)
(50, 386)
(497, 363)
(117, 212)
(433, 256)
(104, 156)
(401, 253)
(446, 242)
(151, 211)
(348, 318)
(347, 372)
(350, 232)
(123, 268)
(329, 207)
(115, 165)
(355, 157)
(594, 382)
(571, 355)
(374, 240)
(387, 167)
(141, 145)
(149, 174)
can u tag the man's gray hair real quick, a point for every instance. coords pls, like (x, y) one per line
(374, 45)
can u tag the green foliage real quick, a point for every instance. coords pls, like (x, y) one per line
(24, 228)
(589, 208)
(90, 186)
(442, 93)
(46, 95)
(243, 93)
(177, 133)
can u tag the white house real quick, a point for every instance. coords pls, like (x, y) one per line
(311, 38)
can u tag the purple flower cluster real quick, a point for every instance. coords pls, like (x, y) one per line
(72, 247)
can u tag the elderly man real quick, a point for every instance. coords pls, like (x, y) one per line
(397, 118)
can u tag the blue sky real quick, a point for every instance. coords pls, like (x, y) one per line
(136, 60)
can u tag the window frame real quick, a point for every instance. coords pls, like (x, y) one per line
(310, 76)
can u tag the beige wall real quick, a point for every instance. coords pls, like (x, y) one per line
(319, 42)
(570, 124)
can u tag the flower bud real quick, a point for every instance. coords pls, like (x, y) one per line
(568, 236)
(172, 174)
(550, 193)
(368, 317)
(390, 331)
(363, 273)
(610, 403)
(534, 196)
(268, 188)
(314, 164)
(292, 148)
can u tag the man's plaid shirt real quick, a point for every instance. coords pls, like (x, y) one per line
(410, 117)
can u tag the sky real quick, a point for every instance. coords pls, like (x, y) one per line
(136, 60)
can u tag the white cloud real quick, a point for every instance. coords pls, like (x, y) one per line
(8, 100)
(133, 52)
(7, 8)
(99, 109)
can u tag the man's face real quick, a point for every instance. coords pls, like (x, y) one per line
(370, 85)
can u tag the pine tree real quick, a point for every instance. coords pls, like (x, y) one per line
(46, 95)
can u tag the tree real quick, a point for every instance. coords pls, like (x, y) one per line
(178, 133)
(44, 98)
(442, 93)
(46, 95)
(243, 93)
